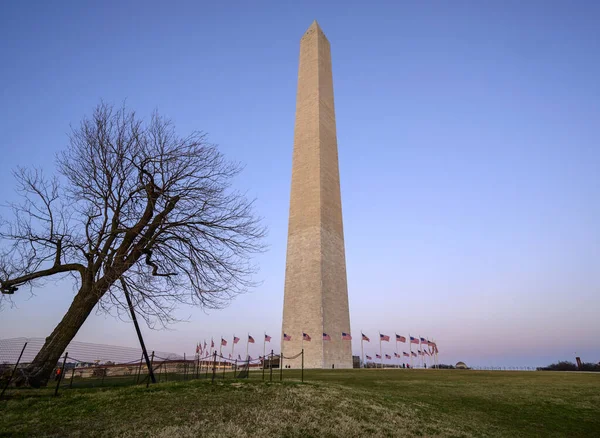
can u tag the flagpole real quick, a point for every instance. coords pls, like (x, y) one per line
(420, 358)
(247, 345)
(410, 349)
(221, 350)
(362, 353)
(264, 346)
(421, 348)
(233, 346)
(396, 347)
(380, 352)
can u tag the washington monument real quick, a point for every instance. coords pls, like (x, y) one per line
(316, 292)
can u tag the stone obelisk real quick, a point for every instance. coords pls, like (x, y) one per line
(316, 291)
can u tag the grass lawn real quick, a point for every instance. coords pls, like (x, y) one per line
(331, 403)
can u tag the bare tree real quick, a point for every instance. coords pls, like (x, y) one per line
(136, 202)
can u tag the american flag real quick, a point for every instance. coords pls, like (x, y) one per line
(326, 337)
(387, 356)
(236, 340)
(223, 342)
(267, 338)
(396, 355)
(305, 337)
(239, 356)
(405, 354)
(413, 354)
(205, 345)
(346, 336)
(425, 352)
(212, 344)
(229, 355)
(250, 357)
(368, 357)
(377, 356)
(365, 338)
(197, 348)
(250, 339)
(420, 353)
(385, 338)
(423, 341)
(400, 338)
(414, 340)
(286, 337)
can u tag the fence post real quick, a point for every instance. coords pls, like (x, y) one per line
(150, 372)
(72, 375)
(184, 368)
(302, 375)
(14, 370)
(139, 370)
(281, 366)
(271, 367)
(214, 370)
(61, 374)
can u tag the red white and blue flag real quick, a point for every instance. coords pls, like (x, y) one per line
(212, 343)
(423, 341)
(400, 338)
(239, 356)
(383, 337)
(305, 337)
(250, 339)
(267, 338)
(368, 357)
(365, 338)
(413, 354)
(223, 342)
(396, 355)
(377, 356)
(387, 356)
(326, 337)
(414, 340)
(405, 354)
(346, 337)
(425, 352)
(236, 340)
(287, 337)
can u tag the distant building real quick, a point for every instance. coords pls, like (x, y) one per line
(461, 366)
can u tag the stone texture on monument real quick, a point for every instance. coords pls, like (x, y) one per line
(316, 292)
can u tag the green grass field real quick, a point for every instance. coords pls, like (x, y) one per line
(344, 403)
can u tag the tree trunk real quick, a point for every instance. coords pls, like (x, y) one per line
(40, 370)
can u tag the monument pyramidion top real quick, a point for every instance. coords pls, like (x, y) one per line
(314, 28)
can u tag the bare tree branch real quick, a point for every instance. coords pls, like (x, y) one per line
(139, 202)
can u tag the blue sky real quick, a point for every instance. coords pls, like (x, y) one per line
(469, 143)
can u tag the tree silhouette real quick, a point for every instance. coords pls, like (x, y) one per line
(136, 202)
